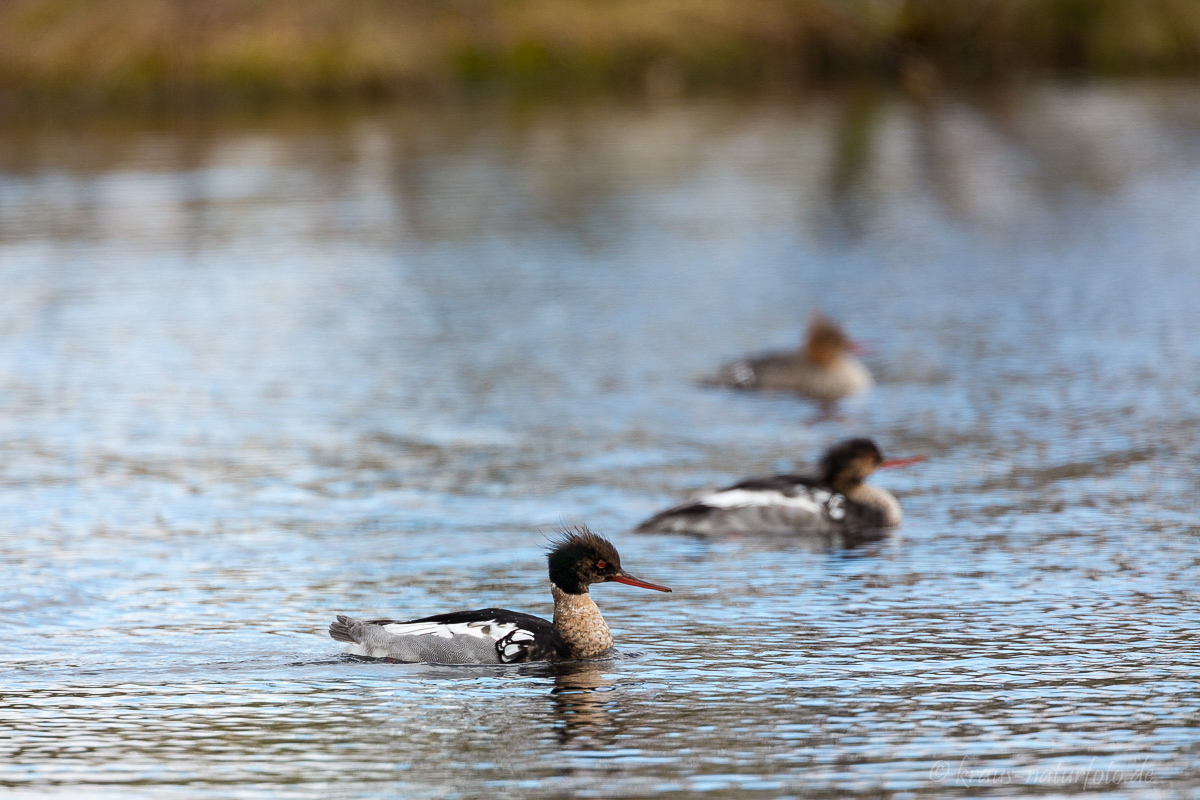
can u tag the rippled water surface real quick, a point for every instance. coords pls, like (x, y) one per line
(257, 372)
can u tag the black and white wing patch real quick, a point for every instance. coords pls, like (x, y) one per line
(804, 499)
(519, 644)
(740, 374)
(517, 637)
(484, 636)
(781, 503)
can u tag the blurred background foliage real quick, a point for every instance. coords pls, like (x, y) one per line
(198, 52)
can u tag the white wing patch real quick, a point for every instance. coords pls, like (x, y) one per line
(482, 629)
(836, 507)
(742, 373)
(812, 500)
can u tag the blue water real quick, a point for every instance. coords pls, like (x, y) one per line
(256, 372)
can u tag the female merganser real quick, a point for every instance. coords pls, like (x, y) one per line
(823, 368)
(577, 559)
(838, 501)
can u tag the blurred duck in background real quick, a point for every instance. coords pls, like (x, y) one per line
(838, 500)
(823, 368)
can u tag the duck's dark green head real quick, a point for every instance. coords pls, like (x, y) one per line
(578, 558)
(851, 462)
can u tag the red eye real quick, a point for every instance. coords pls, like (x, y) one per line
(601, 564)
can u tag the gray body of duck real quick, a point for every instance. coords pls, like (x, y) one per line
(823, 368)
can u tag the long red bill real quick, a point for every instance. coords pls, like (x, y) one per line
(629, 580)
(902, 462)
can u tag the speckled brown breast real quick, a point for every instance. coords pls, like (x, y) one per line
(578, 621)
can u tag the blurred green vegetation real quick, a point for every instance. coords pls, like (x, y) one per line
(105, 52)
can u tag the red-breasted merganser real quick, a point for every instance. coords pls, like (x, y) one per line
(838, 500)
(577, 559)
(823, 368)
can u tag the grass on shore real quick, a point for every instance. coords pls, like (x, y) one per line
(104, 52)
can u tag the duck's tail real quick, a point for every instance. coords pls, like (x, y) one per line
(342, 628)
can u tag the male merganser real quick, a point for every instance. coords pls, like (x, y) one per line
(839, 500)
(823, 368)
(577, 559)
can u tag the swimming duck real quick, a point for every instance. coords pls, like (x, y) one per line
(822, 369)
(577, 559)
(836, 500)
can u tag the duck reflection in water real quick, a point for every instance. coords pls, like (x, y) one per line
(584, 699)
